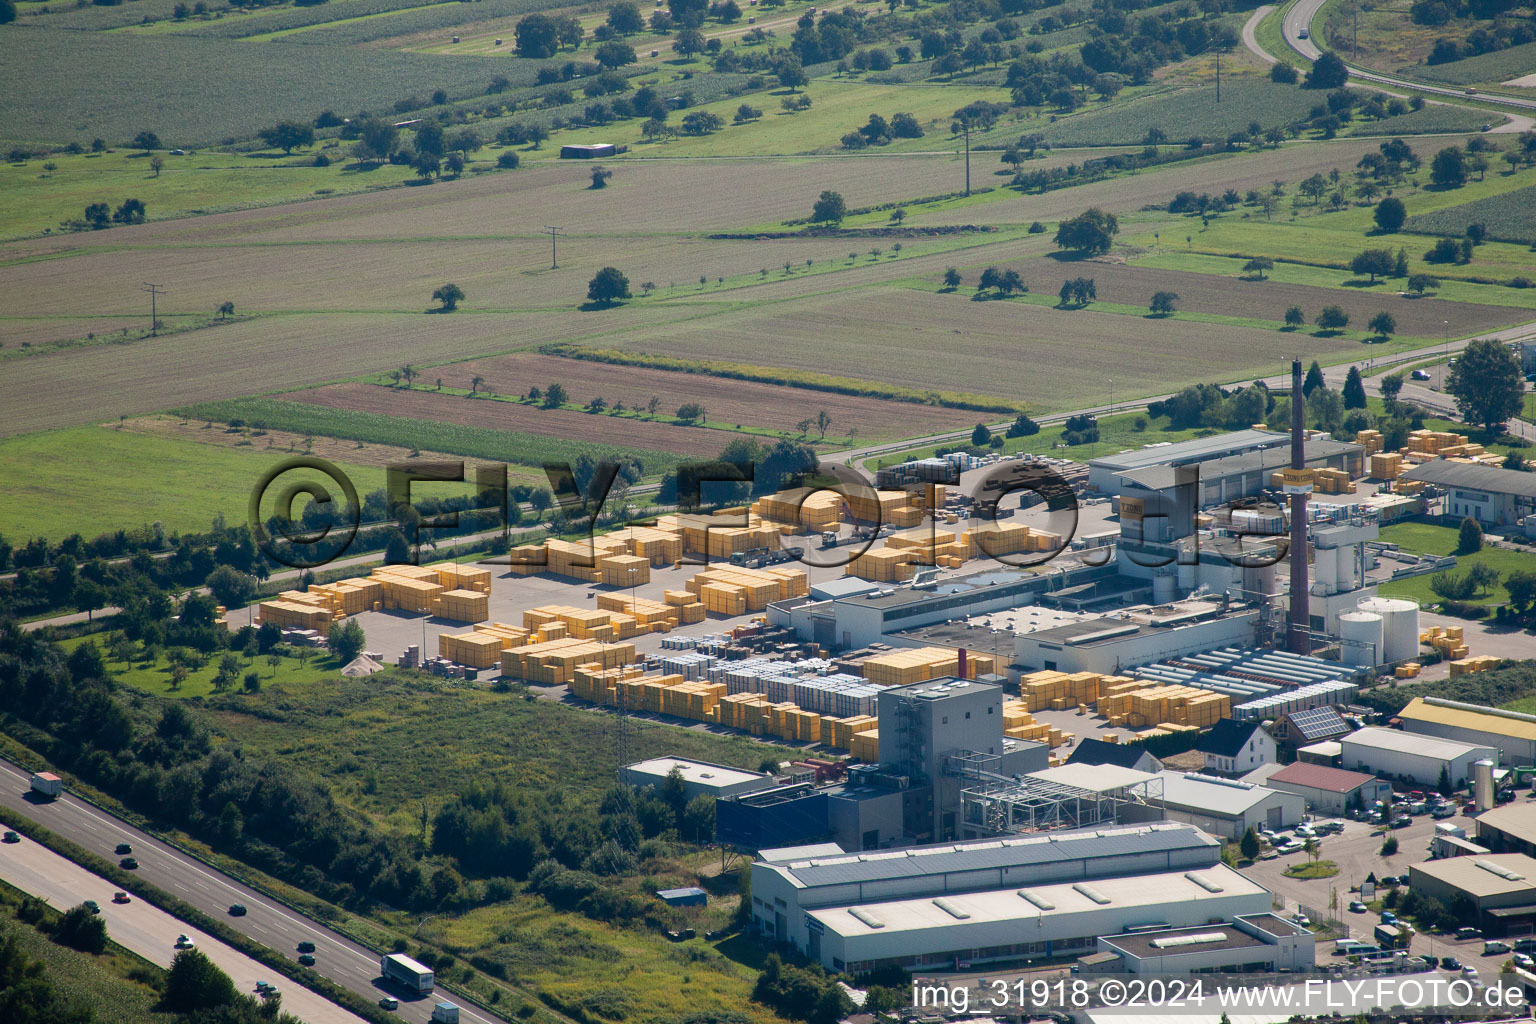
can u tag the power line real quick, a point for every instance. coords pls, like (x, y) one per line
(155, 291)
(554, 264)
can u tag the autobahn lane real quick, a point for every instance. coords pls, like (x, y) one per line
(267, 921)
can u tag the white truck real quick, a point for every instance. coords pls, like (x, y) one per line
(445, 1013)
(47, 784)
(1446, 828)
(403, 971)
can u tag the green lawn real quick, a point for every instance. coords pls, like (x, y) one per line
(92, 480)
(1116, 433)
(153, 675)
(1435, 539)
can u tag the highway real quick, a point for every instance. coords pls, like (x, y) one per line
(269, 922)
(148, 930)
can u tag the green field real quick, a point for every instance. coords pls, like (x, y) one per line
(1508, 216)
(1182, 113)
(93, 480)
(1489, 67)
(1434, 539)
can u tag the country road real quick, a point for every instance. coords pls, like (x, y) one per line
(269, 922)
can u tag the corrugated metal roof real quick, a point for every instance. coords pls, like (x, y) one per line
(1318, 776)
(1374, 738)
(1195, 449)
(951, 857)
(1473, 477)
(1447, 713)
(1209, 794)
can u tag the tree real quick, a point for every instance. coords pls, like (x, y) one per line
(1443, 786)
(1372, 262)
(226, 310)
(624, 18)
(1382, 325)
(1420, 283)
(146, 141)
(689, 42)
(1089, 232)
(1163, 303)
(1294, 317)
(702, 122)
(1469, 538)
(1391, 386)
(131, 212)
(1023, 426)
(1332, 318)
(288, 135)
(1486, 383)
(600, 176)
(555, 396)
(1354, 389)
(231, 587)
(1313, 380)
(7, 12)
(1258, 265)
(614, 54)
(80, 928)
(1078, 291)
(1521, 587)
(157, 164)
(1390, 215)
(823, 421)
(829, 209)
(951, 279)
(790, 73)
(1328, 72)
(690, 412)
(608, 286)
(1448, 169)
(346, 640)
(194, 983)
(426, 164)
(449, 295)
(1249, 844)
(981, 435)
(538, 36)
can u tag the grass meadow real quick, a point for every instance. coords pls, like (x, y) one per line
(1435, 539)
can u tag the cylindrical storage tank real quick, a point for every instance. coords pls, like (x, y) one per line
(1325, 569)
(1259, 580)
(1162, 588)
(1186, 577)
(1346, 567)
(1361, 633)
(1400, 626)
(1482, 785)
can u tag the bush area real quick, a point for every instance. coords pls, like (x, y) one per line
(1498, 688)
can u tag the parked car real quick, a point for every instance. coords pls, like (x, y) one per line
(1443, 811)
(1302, 919)
(1306, 831)
(262, 986)
(1468, 971)
(1289, 846)
(237, 910)
(1356, 907)
(1493, 947)
(1401, 821)
(1421, 375)
(1387, 917)
(1469, 933)
(1524, 960)
(123, 849)
(128, 864)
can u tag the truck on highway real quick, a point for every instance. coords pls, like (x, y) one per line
(403, 971)
(445, 1013)
(47, 784)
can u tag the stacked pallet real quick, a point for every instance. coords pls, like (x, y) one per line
(294, 614)
(659, 547)
(1432, 442)
(877, 506)
(691, 699)
(409, 588)
(1478, 663)
(802, 508)
(736, 591)
(624, 570)
(934, 547)
(350, 597)
(866, 746)
(452, 576)
(462, 606)
(603, 685)
(742, 711)
(840, 732)
(1041, 690)
(994, 538)
(722, 534)
(1331, 481)
(881, 565)
(1447, 640)
(650, 616)
(689, 608)
(477, 650)
(1157, 705)
(1386, 465)
(554, 662)
(1371, 440)
(914, 665)
(1408, 670)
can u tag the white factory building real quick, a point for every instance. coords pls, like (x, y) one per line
(1250, 943)
(700, 778)
(1511, 733)
(1040, 895)
(1224, 807)
(1410, 757)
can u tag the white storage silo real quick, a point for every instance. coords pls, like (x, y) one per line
(1325, 570)
(1400, 626)
(1362, 634)
(1482, 785)
(1163, 586)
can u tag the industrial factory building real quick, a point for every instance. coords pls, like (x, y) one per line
(700, 778)
(1489, 494)
(1233, 478)
(1250, 943)
(1223, 807)
(1500, 886)
(1511, 733)
(1041, 895)
(1104, 473)
(1508, 829)
(1328, 790)
(1135, 636)
(1410, 757)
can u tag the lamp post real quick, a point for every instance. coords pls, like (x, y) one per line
(1445, 351)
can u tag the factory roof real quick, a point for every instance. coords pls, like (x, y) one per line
(1095, 778)
(700, 773)
(1316, 724)
(842, 586)
(1092, 751)
(1227, 738)
(1174, 941)
(942, 687)
(1319, 776)
(1161, 477)
(1471, 717)
(1518, 820)
(1195, 450)
(1495, 874)
(789, 853)
(1054, 848)
(1412, 743)
(1043, 901)
(1206, 793)
(1474, 477)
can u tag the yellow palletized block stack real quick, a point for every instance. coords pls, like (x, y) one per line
(904, 516)
(624, 570)
(659, 547)
(1060, 691)
(839, 732)
(1331, 481)
(580, 560)
(349, 597)
(462, 606)
(994, 538)
(881, 565)
(651, 616)
(866, 746)
(802, 508)
(477, 650)
(912, 665)
(462, 577)
(603, 685)
(877, 506)
(407, 572)
(1156, 705)
(759, 587)
(1409, 486)
(1386, 465)
(934, 547)
(410, 595)
(1371, 441)
(723, 599)
(1432, 442)
(1467, 666)
(1447, 640)
(1408, 670)
(740, 710)
(510, 635)
(555, 661)
(293, 614)
(691, 699)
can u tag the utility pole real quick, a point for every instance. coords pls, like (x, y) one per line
(1354, 35)
(1218, 76)
(554, 264)
(967, 128)
(154, 320)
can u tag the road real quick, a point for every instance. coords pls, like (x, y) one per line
(267, 921)
(148, 930)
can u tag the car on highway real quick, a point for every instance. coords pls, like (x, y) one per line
(92, 906)
(390, 1003)
(128, 864)
(11, 837)
(306, 946)
(307, 959)
(1356, 907)
(121, 897)
(185, 941)
(1387, 917)
(237, 910)
(123, 849)
(1303, 34)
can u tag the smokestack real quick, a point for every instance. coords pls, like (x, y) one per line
(963, 659)
(1298, 488)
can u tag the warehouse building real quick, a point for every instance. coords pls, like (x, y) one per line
(1232, 478)
(1249, 944)
(1134, 637)
(1511, 733)
(1500, 887)
(1328, 790)
(700, 778)
(1223, 807)
(1410, 757)
(1104, 473)
(926, 905)
(1231, 747)
(1489, 494)
(1508, 829)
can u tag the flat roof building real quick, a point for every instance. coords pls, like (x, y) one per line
(1511, 733)
(1499, 886)
(1489, 494)
(1250, 943)
(1508, 829)
(1224, 807)
(1329, 790)
(1411, 757)
(1104, 472)
(1137, 636)
(700, 778)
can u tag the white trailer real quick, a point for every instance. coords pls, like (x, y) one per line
(47, 784)
(403, 971)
